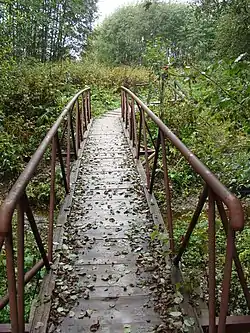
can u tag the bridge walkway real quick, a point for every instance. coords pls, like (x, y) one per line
(105, 271)
(100, 284)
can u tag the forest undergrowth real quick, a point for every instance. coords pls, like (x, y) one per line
(189, 62)
(205, 105)
(33, 96)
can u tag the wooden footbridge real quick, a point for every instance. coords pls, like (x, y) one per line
(101, 267)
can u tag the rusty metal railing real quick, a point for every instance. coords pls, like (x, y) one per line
(232, 217)
(72, 122)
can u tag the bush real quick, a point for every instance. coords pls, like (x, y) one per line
(34, 95)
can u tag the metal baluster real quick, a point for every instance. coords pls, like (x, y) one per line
(11, 282)
(198, 210)
(211, 263)
(126, 110)
(77, 129)
(237, 262)
(140, 133)
(68, 154)
(20, 265)
(226, 281)
(146, 149)
(158, 143)
(73, 135)
(84, 111)
(52, 200)
(89, 104)
(66, 184)
(167, 193)
(35, 231)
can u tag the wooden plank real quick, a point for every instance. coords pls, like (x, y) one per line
(158, 220)
(6, 328)
(239, 324)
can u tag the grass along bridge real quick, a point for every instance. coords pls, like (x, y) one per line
(104, 270)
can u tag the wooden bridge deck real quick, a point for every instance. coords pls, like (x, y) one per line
(100, 283)
(105, 273)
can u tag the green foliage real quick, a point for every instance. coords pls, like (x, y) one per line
(38, 190)
(31, 256)
(154, 56)
(213, 121)
(10, 157)
(123, 37)
(195, 260)
(33, 95)
(45, 30)
(202, 31)
(231, 20)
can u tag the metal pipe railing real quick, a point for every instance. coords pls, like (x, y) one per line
(216, 193)
(77, 114)
(233, 204)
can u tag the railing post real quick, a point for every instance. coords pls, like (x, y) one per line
(211, 263)
(167, 193)
(68, 154)
(140, 132)
(237, 262)
(11, 282)
(35, 231)
(158, 143)
(122, 104)
(80, 135)
(131, 121)
(73, 135)
(134, 126)
(86, 107)
(126, 110)
(84, 111)
(66, 185)
(52, 200)
(77, 128)
(198, 210)
(20, 265)
(226, 281)
(145, 149)
(89, 104)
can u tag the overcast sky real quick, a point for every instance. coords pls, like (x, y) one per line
(107, 7)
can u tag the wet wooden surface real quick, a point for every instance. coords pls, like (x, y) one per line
(99, 285)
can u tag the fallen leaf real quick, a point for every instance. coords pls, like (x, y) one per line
(95, 327)
(127, 329)
(38, 325)
(175, 314)
(71, 314)
(189, 322)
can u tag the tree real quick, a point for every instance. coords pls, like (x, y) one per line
(232, 20)
(233, 33)
(123, 37)
(46, 29)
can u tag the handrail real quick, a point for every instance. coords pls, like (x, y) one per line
(17, 199)
(8, 206)
(216, 193)
(232, 202)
